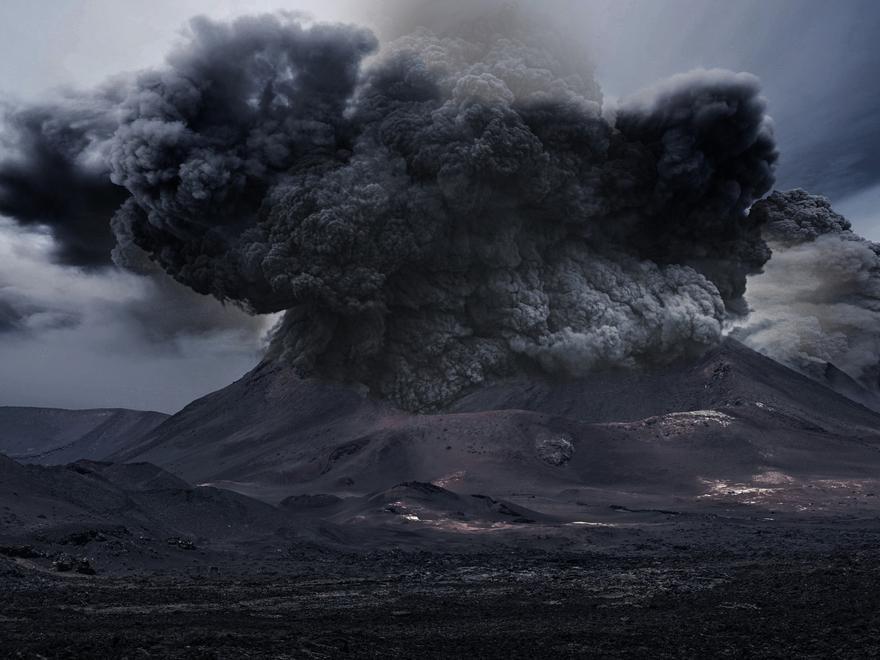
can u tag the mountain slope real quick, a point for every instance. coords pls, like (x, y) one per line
(729, 375)
(54, 436)
(732, 417)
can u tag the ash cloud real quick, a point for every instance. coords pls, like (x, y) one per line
(455, 207)
(818, 299)
(52, 176)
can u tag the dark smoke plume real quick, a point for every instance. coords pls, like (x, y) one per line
(456, 209)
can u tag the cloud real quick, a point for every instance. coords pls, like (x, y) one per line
(459, 207)
(87, 338)
(818, 299)
(51, 176)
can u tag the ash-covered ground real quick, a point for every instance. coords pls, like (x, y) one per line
(757, 589)
(728, 507)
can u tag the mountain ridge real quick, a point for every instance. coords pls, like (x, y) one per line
(731, 415)
(55, 436)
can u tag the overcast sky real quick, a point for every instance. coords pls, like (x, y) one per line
(818, 62)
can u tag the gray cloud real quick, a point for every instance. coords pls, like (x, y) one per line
(10, 317)
(52, 175)
(818, 300)
(86, 338)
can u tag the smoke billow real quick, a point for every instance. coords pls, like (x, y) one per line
(452, 208)
(51, 174)
(818, 300)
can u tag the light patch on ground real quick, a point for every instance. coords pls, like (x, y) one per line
(773, 478)
(467, 527)
(744, 493)
(681, 423)
(450, 479)
(693, 418)
(777, 489)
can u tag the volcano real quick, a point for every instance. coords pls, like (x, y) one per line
(732, 426)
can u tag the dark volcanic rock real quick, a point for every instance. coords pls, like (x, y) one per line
(554, 449)
(19, 551)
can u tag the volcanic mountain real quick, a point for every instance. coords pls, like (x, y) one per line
(731, 425)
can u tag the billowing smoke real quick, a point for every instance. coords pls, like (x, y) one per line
(452, 208)
(52, 174)
(818, 300)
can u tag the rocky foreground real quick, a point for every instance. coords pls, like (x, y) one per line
(515, 604)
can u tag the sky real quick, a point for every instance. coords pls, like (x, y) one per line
(117, 339)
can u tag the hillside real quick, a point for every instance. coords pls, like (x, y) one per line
(686, 431)
(54, 436)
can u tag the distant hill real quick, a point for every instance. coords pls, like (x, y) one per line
(53, 436)
(121, 516)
